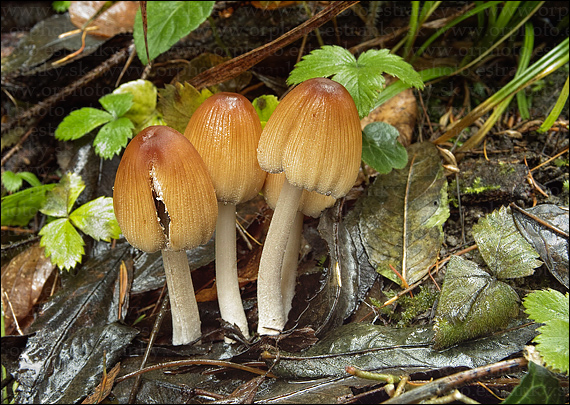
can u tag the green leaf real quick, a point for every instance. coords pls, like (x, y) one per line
(144, 100)
(538, 386)
(97, 219)
(61, 199)
(504, 249)
(168, 21)
(381, 149)
(81, 122)
(472, 304)
(551, 308)
(177, 104)
(264, 106)
(61, 6)
(62, 243)
(117, 104)
(19, 208)
(113, 137)
(363, 78)
(11, 181)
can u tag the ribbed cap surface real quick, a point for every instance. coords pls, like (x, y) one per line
(314, 136)
(160, 166)
(225, 130)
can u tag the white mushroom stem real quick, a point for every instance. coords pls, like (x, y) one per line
(269, 297)
(290, 262)
(229, 296)
(186, 326)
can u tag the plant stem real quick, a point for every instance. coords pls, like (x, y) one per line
(269, 298)
(290, 260)
(229, 296)
(186, 326)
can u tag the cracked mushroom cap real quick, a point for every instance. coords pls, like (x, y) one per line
(225, 130)
(311, 204)
(163, 196)
(314, 136)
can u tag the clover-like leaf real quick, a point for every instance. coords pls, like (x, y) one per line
(13, 181)
(62, 243)
(381, 149)
(97, 219)
(117, 104)
(113, 137)
(504, 249)
(168, 21)
(551, 308)
(61, 198)
(81, 122)
(362, 78)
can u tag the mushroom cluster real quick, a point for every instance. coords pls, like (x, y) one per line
(172, 191)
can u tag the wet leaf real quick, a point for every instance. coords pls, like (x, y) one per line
(503, 248)
(43, 42)
(60, 200)
(550, 245)
(380, 148)
(72, 329)
(472, 304)
(113, 137)
(97, 219)
(104, 389)
(22, 282)
(19, 208)
(116, 19)
(178, 102)
(538, 386)
(167, 23)
(374, 347)
(550, 307)
(62, 243)
(81, 122)
(402, 216)
(144, 101)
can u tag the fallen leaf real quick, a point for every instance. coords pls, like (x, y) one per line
(22, 282)
(117, 19)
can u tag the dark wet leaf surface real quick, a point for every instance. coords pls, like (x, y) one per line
(374, 347)
(552, 246)
(65, 353)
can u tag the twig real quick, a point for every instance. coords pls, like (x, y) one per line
(540, 221)
(40, 110)
(446, 384)
(237, 65)
(16, 147)
(549, 160)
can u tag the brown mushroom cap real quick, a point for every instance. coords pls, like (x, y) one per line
(225, 130)
(311, 204)
(160, 166)
(314, 136)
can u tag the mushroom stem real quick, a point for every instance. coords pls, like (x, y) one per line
(290, 261)
(269, 297)
(186, 326)
(229, 296)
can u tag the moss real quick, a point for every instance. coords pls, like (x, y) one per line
(405, 311)
(478, 187)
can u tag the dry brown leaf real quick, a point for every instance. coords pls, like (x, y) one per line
(23, 279)
(117, 19)
(103, 390)
(400, 111)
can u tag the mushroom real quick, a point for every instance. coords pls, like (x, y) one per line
(311, 204)
(164, 200)
(225, 130)
(313, 136)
